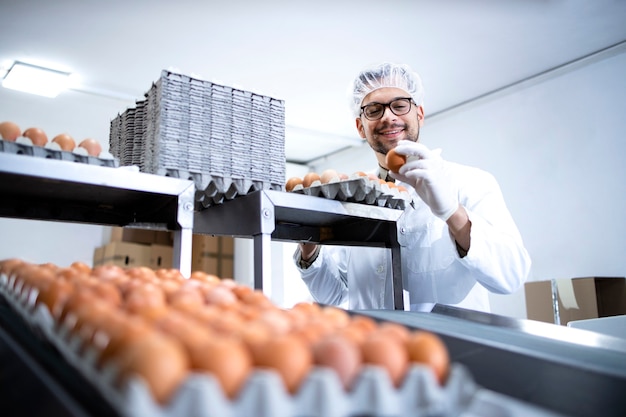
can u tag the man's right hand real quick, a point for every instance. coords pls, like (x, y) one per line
(307, 249)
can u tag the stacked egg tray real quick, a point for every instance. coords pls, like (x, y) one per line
(230, 142)
(359, 190)
(264, 395)
(51, 152)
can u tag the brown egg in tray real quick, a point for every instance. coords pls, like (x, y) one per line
(358, 187)
(154, 343)
(34, 142)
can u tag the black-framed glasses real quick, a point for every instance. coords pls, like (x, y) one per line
(398, 106)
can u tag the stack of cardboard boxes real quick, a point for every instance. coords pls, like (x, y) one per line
(560, 301)
(154, 249)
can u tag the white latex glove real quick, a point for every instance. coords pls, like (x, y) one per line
(424, 170)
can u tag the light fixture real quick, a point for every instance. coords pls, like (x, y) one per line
(35, 79)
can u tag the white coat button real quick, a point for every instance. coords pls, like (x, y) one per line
(380, 269)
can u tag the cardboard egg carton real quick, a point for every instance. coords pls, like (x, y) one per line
(358, 190)
(51, 150)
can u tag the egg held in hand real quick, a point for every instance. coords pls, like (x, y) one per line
(394, 160)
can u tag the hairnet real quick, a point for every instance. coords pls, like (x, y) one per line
(386, 75)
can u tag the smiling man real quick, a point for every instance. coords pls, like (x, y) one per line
(459, 239)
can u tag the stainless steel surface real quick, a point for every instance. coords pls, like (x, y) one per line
(569, 371)
(537, 328)
(301, 218)
(47, 189)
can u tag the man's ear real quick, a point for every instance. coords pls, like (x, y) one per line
(359, 127)
(420, 114)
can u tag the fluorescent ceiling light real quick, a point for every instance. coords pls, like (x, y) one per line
(36, 80)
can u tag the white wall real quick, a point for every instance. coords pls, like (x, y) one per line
(557, 148)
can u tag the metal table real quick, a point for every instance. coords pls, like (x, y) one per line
(46, 189)
(268, 215)
(573, 372)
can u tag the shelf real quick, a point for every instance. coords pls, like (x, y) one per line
(276, 215)
(46, 189)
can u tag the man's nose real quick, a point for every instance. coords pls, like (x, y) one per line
(388, 114)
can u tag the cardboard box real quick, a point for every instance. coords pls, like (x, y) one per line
(161, 256)
(213, 255)
(145, 236)
(563, 300)
(98, 256)
(123, 254)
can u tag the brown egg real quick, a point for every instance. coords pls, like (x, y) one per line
(382, 350)
(204, 277)
(292, 182)
(8, 265)
(54, 296)
(121, 330)
(394, 160)
(395, 330)
(341, 354)
(10, 131)
(329, 175)
(159, 360)
(427, 348)
(310, 178)
(336, 316)
(220, 295)
(225, 358)
(186, 299)
(81, 266)
(36, 135)
(258, 299)
(65, 142)
(92, 146)
(288, 355)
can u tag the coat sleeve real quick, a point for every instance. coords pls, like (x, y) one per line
(326, 278)
(497, 257)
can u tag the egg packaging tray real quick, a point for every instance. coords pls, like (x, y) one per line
(263, 395)
(52, 151)
(358, 190)
(189, 124)
(215, 189)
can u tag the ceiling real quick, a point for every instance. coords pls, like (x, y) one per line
(304, 52)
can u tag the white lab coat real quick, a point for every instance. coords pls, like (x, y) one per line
(357, 277)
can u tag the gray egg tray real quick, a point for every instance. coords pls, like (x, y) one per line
(358, 190)
(18, 148)
(215, 189)
(263, 395)
(229, 141)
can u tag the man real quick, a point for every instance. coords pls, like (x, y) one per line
(459, 239)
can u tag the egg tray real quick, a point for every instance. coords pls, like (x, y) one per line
(320, 395)
(46, 152)
(358, 190)
(215, 189)
(187, 123)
